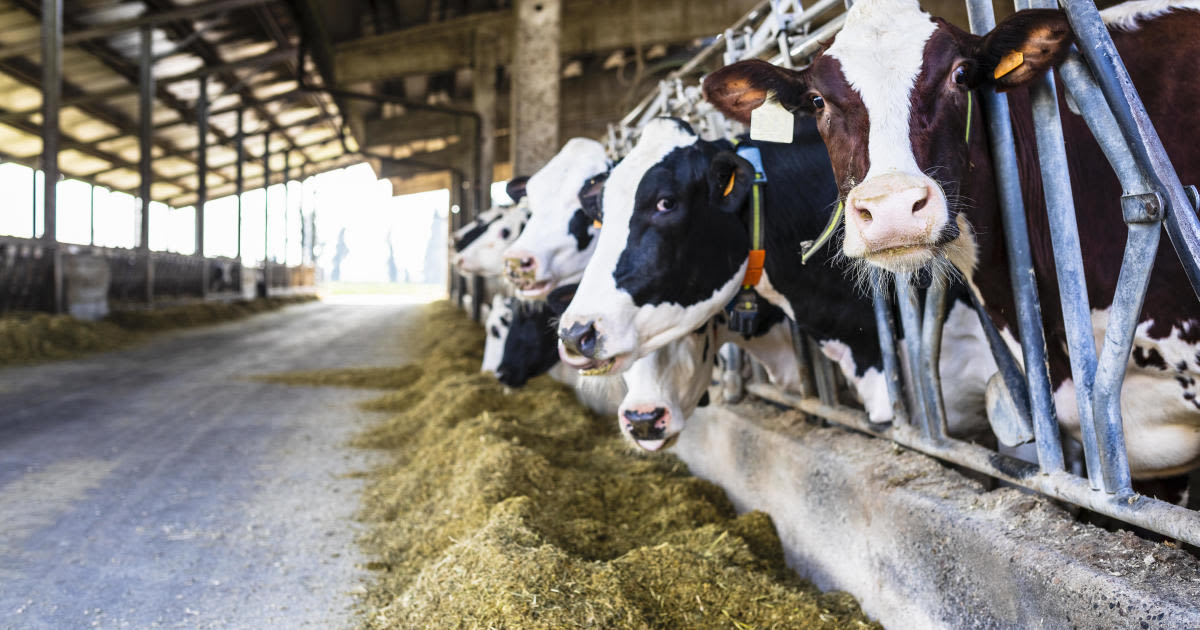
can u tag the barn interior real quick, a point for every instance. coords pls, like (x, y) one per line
(239, 372)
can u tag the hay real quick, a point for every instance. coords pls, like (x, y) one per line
(519, 509)
(28, 337)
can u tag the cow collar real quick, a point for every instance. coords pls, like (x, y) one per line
(743, 310)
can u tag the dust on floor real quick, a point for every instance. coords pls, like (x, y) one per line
(520, 509)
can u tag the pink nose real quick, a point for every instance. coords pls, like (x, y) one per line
(647, 425)
(892, 211)
(520, 263)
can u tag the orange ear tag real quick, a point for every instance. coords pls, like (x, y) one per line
(729, 186)
(596, 224)
(1008, 63)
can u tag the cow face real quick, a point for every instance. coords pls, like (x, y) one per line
(484, 255)
(530, 347)
(665, 387)
(672, 252)
(498, 321)
(890, 97)
(464, 236)
(559, 239)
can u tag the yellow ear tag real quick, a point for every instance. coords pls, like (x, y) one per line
(596, 224)
(1010, 62)
(729, 186)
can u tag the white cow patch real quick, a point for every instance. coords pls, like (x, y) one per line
(484, 256)
(881, 50)
(1128, 16)
(871, 387)
(497, 334)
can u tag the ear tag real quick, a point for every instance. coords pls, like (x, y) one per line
(770, 122)
(729, 186)
(1008, 63)
(596, 224)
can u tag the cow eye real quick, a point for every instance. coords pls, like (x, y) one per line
(665, 204)
(505, 233)
(960, 75)
(818, 102)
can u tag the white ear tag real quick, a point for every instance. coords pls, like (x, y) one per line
(770, 122)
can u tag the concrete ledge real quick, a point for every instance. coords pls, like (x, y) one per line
(922, 546)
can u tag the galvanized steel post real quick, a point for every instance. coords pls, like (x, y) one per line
(239, 180)
(145, 147)
(266, 158)
(1021, 273)
(202, 177)
(886, 326)
(51, 101)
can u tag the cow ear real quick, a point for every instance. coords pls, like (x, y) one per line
(559, 299)
(515, 188)
(1023, 47)
(589, 197)
(738, 89)
(730, 179)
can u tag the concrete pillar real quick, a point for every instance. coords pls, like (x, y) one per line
(52, 11)
(483, 92)
(145, 146)
(536, 65)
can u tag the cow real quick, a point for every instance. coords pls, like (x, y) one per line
(891, 97)
(484, 254)
(496, 327)
(559, 238)
(664, 387)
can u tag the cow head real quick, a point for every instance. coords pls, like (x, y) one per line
(891, 97)
(484, 255)
(665, 387)
(530, 348)
(498, 321)
(672, 252)
(559, 238)
(464, 236)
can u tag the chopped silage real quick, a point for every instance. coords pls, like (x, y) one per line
(520, 509)
(26, 337)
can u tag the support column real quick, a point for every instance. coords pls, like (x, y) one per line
(145, 146)
(484, 101)
(266, 157)
(202, 178)
(239, 179)
(51, 101)
(286, 208)
(536, 71)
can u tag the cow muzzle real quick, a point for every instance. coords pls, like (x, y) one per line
(522, 269)
(894, 221)
(580, 347)
(649, 426)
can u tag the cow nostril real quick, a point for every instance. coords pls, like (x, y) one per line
(919, 205)
(865, 215)
(527, 263)
(580, 339)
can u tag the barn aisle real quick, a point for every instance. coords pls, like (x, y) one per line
(158, 487)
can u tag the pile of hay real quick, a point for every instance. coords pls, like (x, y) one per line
(520, 509)
(26, 337)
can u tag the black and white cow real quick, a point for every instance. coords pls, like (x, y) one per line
(890, 98)
(559, 238)
(484, 254)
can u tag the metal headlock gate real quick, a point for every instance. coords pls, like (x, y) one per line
(1098, 84)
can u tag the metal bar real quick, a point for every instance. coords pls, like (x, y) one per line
(239, 178)
(1068, 261)
(145, 147)
(1021, 274)
(910, 319)
(1158, 516)
(148, 19)
(266, 158)
(808, 387)
(201, 162)
(286, 207)
(1096, 46)
(931, 353)
(826, 381)
(92, 215)
(51, 48)
(886, 327)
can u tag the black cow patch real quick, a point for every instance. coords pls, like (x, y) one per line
(579, 227)
(531, 348)
(1148, 358)
(473, 234)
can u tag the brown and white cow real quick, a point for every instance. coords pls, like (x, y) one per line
(890, 97)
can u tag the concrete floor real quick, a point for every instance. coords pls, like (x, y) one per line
(155, 487)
